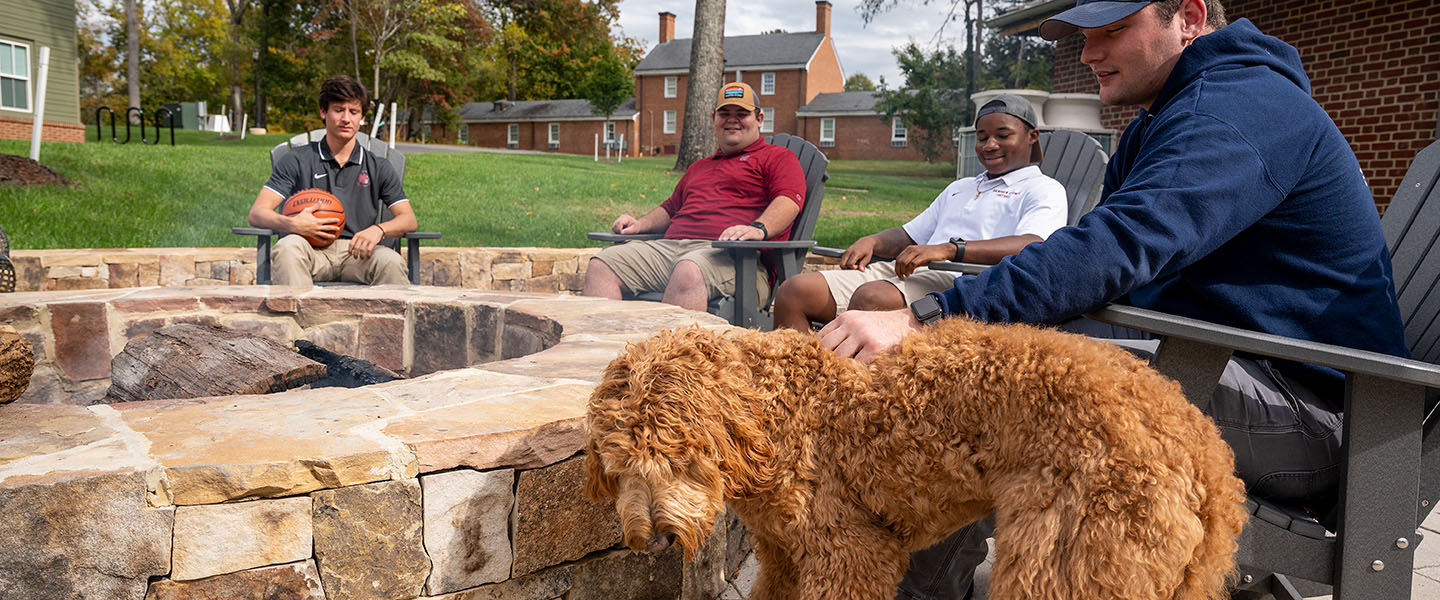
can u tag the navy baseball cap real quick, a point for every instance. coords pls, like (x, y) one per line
(1088, 14)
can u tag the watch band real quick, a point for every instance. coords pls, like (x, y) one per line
(764, 233)
(959, 249)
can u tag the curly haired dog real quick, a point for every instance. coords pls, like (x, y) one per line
(1104, 481)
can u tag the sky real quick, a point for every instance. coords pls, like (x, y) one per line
(863, 48)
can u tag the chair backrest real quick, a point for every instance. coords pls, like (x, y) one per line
(814, 164)
(1412, 232)
(1077, 161)
(376, 146)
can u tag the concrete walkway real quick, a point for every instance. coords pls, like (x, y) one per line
(1425, 585)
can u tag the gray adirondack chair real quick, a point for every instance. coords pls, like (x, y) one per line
(264, 238)
(744, 307)
(1074, 159)
(1391, 481)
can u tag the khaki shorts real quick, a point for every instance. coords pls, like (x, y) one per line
(843, 283)
(646, 266)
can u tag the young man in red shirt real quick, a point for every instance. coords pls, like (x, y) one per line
(748, 190)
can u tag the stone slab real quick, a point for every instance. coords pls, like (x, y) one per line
(523, 430)
(549, 584)
(574, 359)
(294, 581)
(438, 331)
(81, 353)
(556, 523)
(84, 537)
(460, 386)
(629, 575)
(36, 440)
(225, 538)
(368, 540)
(467, 528)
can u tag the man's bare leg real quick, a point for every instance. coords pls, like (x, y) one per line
(802, 299)
(687, 288)
(601, 281)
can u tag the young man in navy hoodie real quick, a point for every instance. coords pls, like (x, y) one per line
(1211, 209)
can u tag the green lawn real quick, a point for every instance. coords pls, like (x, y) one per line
(193, 193)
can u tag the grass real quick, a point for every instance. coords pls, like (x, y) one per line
(191, 194)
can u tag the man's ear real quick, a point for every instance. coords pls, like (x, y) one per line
(1192, 16)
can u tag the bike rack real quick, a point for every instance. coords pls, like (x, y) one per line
(162, 115)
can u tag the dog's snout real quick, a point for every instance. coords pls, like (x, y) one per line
(659, 543)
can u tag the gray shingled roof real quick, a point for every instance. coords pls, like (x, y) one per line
(841, 102)
(539, 110)
(741, 51)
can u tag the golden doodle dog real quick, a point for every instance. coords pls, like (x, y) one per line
(1104, 481)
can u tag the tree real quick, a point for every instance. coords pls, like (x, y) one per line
(859, 83)
(707, 55)
(609, 85)
(934, 101)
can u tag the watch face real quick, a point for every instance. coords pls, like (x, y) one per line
(926, 309)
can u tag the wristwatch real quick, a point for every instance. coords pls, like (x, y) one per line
(764, 235)
(959, 248)
(927, 309)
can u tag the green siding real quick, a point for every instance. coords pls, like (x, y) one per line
(50, 23)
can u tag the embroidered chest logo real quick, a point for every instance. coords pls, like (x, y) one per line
(745, 158)
(364, 179)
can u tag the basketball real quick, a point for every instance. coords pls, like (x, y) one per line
(327, 206)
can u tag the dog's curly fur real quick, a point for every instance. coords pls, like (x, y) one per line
(1104, 481)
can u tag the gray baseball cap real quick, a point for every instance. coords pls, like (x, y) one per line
(1087, 14)
(1009, 104)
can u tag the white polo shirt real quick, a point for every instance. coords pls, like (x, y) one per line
(982, 208)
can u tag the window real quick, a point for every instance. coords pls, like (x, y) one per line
(609, 132)
(897, 132)
(768, 124)
(767, 83)
(463, 134)
(827, 133)
(554, 136)
(512, 136)
(669, 121)
(14, 76)
(672, 86)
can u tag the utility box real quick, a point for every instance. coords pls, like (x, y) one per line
(185, 114)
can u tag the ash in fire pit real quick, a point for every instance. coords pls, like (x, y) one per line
(344, 371)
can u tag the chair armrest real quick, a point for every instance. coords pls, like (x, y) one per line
(602, 236)
(763, 244)
(827, 251)
(957, 267)
(251, 231)
(1348, 360)
(422, 235)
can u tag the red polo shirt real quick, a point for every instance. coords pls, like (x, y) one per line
(733, 189)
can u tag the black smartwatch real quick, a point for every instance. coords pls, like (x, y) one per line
(764, 235)
(927, 309)
(959, 249)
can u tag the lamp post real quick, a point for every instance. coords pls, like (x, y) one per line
(259, 117)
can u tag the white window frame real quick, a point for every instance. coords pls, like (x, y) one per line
(767, 84)
(672, 86)
(554, 136)
(897, 132)
(512, 136)
(609, 132)
(463, 134)
(670, 122)
(29, 99)
(767, 125)
(827, 140)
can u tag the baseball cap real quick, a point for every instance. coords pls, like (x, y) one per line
(737, 94)
(1087, 14)
(1017, 107)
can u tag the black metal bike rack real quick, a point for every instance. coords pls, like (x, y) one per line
(162, 117)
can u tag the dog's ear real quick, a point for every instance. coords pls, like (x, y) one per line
(598, 485)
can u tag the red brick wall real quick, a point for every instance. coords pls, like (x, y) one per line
(824, 76)
(20, 129)
(651, 101)
(790, 94)
(576, 137)
(863, 137)
(1374, 66)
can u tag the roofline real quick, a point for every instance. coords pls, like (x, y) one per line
(554, 119)
(836, 113)
(1028, 17)
(728, 69)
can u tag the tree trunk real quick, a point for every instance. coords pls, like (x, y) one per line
(354, 36)
(707, 69)
(186, 360)
(132, 58)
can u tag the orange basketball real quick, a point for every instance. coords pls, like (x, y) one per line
(327, 206)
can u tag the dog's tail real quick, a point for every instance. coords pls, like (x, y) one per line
(1222, 514)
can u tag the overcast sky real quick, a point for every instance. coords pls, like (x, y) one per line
(862, 48)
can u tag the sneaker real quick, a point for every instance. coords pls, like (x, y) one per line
(7, 274)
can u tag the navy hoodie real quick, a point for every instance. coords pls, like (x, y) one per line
(1234, 199)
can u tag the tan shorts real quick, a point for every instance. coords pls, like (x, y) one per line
(843, 283)
(646, 266)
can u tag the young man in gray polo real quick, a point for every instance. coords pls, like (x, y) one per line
(365, 184)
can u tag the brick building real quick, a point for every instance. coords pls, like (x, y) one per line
(845, 125)
(1374, 66)
(29, 25)
(567, 126)
(787, 71)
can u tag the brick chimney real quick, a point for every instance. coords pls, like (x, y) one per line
(667, 26)
(822, 17)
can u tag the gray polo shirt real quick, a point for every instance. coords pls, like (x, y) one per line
(365, 184)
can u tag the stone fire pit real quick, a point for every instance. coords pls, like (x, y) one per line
(462, 481)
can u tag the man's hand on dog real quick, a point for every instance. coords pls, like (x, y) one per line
(865, 335)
